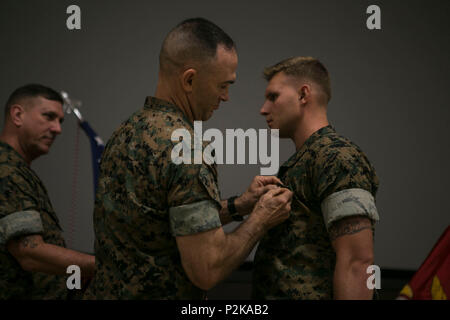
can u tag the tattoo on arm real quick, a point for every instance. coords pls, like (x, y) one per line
(349, 226)
(28, 242)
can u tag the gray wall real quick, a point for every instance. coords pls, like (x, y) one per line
(389, 87)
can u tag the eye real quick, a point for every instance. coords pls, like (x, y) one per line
(272, 97)
(49, 116)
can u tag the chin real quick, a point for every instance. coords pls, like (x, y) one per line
(44, 150)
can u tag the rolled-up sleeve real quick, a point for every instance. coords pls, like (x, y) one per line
(194, 218)
(19, 224)
(349, 202)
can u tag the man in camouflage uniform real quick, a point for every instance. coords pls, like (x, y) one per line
(323, 250)
(158, 225)
(33, 257)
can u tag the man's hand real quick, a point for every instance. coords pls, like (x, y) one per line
(273, 207)
(259, 186)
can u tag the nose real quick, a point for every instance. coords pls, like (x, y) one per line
(264, 109)
(56, 127)
(224, 96)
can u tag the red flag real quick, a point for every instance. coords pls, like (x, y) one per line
(432, 280)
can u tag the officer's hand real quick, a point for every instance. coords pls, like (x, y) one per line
(259, 186)
(273, 207)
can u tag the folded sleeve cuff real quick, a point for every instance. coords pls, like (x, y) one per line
(349, 202)
(194, 218)
(19, 224)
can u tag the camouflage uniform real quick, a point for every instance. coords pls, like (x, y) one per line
(143, 202)
(25, 209)
(331, 179)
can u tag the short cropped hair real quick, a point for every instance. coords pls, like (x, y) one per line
(193, 40)
(303, 68)
(32, 91)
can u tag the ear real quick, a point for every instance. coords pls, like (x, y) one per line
(17, 113)
(304, 93)
(187, 79)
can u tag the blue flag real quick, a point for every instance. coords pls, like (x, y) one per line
(97, 147)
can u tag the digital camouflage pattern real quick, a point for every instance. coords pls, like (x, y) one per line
(25, 209)
(143, 201)
(295, 260)
(347, 203)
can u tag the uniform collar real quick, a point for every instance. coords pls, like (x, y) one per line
(308, 143)
(156, 103)
(164, 106)
(14, 154)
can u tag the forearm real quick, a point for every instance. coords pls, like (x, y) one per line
(38, 256)
(350, 281)
(221, 252)
(236, 248)
(57, 259)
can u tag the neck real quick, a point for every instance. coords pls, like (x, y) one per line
(13, 141)
(167, 90)
(309, 124)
